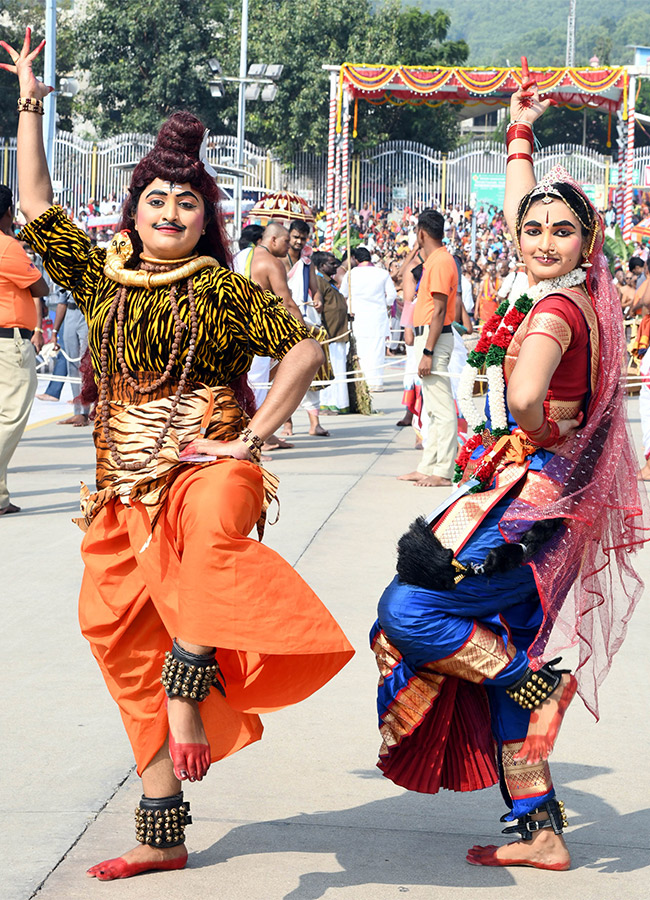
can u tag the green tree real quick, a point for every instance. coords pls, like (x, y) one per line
(303, 35)
(413, 38)
(307, 34)
(15, 16)
(146, 60)
(138, 62)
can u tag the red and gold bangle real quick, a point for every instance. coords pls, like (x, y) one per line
(521, 131)
(533, 431)
(547, 435)
(512, 156)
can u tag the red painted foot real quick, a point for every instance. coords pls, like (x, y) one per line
(111, 869)
(191, 761)
(487, 856)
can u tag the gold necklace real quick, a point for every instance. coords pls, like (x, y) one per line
(167, 262)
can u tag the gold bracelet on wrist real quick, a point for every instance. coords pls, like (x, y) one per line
(38, 330)
(31, 104)
(253, 443)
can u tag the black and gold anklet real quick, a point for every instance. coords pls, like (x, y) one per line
(188, 675)
(161, 821)
(533, 688)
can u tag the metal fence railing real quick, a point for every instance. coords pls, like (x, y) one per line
(402, 173)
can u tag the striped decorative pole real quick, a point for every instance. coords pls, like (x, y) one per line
(345, 162)
(331, 161)
(620, 189)
(337, 185)
(629, 160)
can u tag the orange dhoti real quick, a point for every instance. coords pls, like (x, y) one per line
(199, 577)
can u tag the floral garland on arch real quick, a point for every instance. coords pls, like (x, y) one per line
(490, 352)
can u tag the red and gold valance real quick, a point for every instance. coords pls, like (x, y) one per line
(599, 88)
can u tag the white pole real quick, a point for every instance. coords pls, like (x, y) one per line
(571, 35)
(49, 125)
(241, 117)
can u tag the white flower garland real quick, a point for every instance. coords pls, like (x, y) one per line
(473, 415)
(553, 285)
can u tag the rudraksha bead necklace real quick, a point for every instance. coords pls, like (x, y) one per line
(119, 306)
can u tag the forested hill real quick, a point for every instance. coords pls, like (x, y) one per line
(500, 31)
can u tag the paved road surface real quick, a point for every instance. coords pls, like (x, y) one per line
(304, 814)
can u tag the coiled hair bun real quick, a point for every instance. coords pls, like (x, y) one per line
(182, 134)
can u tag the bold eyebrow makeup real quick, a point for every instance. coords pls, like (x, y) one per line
(158, 192)
(563, 224)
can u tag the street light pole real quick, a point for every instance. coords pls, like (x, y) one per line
(49, 125)
(241, 114)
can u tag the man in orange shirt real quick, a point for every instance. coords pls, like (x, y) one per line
(436, 307)
(21, 286)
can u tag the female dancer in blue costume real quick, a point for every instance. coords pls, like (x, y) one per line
(518, 567)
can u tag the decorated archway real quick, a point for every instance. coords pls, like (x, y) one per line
(479, 90)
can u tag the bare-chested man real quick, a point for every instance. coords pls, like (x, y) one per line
(268, 269)
(264, 266)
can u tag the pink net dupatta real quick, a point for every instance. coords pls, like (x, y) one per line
(587, 581)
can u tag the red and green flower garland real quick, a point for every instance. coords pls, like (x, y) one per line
(490, 351)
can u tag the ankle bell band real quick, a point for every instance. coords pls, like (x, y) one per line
(185, 674)
(161, 821)
(526, 825)
(533, 688)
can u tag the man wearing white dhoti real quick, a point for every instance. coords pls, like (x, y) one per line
(373, 293)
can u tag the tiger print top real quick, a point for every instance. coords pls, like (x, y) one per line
(237, 319)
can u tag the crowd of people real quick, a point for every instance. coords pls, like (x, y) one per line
(369, 294)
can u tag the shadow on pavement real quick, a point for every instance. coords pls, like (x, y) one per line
(388, 843)
(72, 508)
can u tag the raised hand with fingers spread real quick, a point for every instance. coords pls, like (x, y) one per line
(34, 184)
(22, 66)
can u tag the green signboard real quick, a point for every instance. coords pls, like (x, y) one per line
(613, 175)
(489, 188)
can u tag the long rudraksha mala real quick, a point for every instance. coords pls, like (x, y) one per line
(118, 307)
